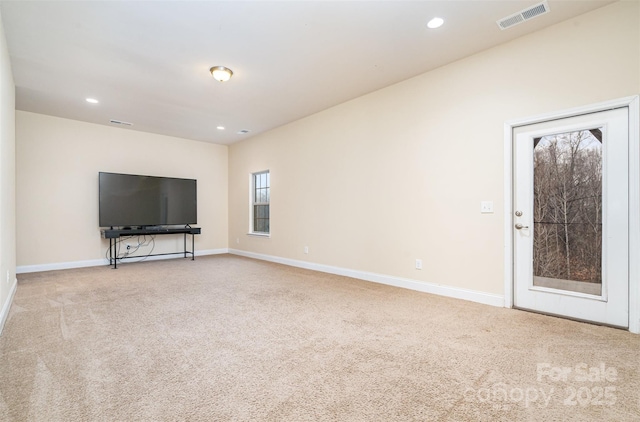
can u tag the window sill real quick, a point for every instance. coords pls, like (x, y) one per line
(259, 234)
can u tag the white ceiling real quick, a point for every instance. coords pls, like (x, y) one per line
(147, 62)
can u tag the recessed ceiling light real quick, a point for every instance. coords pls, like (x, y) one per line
(92, 100)
(221, 73)
(220, 127)
(435, 23)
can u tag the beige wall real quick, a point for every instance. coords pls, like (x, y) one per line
(7, 179)
(58, 161)
(396, 175)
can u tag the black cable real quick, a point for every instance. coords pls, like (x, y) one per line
(142, 243)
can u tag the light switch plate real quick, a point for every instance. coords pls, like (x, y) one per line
(486, 207)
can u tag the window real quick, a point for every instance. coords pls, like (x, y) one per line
(260, 196)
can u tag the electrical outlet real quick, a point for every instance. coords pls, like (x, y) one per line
(306, 249)
(238, 240)
(418, 264)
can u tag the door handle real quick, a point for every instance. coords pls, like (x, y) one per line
(520, 226)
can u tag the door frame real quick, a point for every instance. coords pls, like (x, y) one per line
(633, 105)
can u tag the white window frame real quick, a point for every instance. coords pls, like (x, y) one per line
(253, 203)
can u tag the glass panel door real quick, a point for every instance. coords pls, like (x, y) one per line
(571, 217)
(567, 211)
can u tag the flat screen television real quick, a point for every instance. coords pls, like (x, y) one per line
(128, 200)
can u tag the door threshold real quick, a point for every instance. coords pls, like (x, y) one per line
(586, 321)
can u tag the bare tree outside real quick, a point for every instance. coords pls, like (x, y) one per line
(568, 206)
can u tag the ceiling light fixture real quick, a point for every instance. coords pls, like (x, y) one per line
(220, 127)
(435, 23)
(92, 100)
(221, 73)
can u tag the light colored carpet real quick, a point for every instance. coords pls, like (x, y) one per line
(225, 338)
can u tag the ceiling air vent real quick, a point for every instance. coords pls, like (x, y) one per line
(118, 122)
(524, 15)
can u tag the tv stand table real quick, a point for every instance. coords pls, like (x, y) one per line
(114, 236)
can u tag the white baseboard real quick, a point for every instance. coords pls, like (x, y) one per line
(212, 252)
(4, 313)
(421, 286)
(23, 269)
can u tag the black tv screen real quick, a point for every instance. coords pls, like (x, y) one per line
(128, 200)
